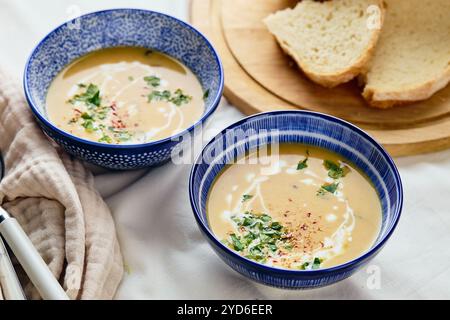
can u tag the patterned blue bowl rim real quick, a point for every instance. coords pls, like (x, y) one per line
(214, 104)
(318, 272)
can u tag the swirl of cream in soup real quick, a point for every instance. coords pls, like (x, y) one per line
(125, 95)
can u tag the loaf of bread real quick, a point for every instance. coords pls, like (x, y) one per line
(412, 57)
(331, 41)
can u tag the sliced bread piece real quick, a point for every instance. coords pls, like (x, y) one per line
(412, 58)
(331, 41)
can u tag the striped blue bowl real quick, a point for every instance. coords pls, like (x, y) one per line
(113, 28)
(306, 128)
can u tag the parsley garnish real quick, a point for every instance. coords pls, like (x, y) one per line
(105, 138)
(90, 119)
(238, 246)
(259, 237)
(246, 197)
(335, 171)
(124, 136)
(86, 116)
(304, 266)
(153, 81)
(205, 95)
(180, 97)
(120, 134)
(91, 96)
(102, 112)
(302, 164)
(328, 187)
(159, 95)
(88, 125)
(314, 265)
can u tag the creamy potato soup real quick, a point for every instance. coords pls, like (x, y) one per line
(125, 95)
(304, 208)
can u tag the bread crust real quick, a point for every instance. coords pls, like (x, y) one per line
(388, 99)
(330, 80)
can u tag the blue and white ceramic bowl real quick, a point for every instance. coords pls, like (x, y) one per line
(112, 28)
(307, 128)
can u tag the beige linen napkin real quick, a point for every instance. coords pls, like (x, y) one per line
(53, 197)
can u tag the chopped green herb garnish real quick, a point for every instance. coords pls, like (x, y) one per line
(276, 226)
(131, 78)
(302, 164)
(153, 81)
(73, 120)
(120, 134)
(247, 221)
(159, 95)
(91, 119)
(86, 116)
(236, 243)
(328, 187)
(258, 237)
(316, 263)
(81, 85)
(91, 96)
(105, 138)
(335, 171)
(304, 266)
(124, 136)
(206, 95)
(180, 97)
(88, 125)
(265, 218)
(102, 112)
(246, 197)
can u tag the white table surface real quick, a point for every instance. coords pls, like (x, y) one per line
(163, 249)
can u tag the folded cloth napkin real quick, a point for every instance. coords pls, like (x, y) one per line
(53, 197)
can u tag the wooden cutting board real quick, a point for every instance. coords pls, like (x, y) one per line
(260, 77)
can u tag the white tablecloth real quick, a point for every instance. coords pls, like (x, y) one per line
(165, 254)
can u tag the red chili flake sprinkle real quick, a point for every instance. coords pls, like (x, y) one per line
(118, 124)
(289, 199)
(308, 214)
(113, 106)
(77, 110)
